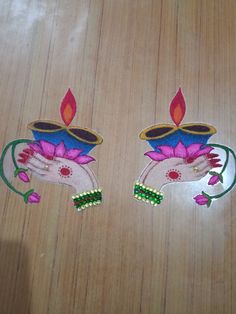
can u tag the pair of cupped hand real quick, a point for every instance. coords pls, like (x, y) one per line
(81, 178)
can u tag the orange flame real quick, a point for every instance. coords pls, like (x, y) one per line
(178, 108)
(68, 108)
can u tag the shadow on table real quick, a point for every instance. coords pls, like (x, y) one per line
(14, 279)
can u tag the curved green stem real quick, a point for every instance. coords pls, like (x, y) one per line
(17, 168)
(226, 161)
(2, 174)
(13, 148)
(227, 150)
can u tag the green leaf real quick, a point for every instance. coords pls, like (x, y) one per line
(209, 202)
(213, 173)
(208, 197)
(221, 178)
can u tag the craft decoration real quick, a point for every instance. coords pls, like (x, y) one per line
(58, 154)
(181, 154)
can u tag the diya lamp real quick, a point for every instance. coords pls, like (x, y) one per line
(74, 137)
(54, 139)
(168, 134)
(187, 141)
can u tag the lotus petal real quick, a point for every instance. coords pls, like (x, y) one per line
(36, 148)
(48, 148)
(193, 149)
(155, 156)
(203, 151)
(60, 150)
(180, 150)
(84, 159)
(166, 150)
(72, 153)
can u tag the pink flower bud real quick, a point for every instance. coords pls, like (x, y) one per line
(34, 198)
(201, 199)
(23, 176)
(214, 180)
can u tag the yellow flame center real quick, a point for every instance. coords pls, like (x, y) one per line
(67, 112)
(178, 114)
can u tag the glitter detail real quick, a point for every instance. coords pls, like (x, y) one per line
(87, 199)
(147, 194)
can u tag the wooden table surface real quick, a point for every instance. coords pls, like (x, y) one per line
(124, 61)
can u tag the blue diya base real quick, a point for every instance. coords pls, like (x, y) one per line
(62, 135)
(179, 136)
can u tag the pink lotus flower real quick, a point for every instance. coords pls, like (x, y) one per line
(22, 175)
(34, 198)
(49, 151)
(214, 180)
(189, 153)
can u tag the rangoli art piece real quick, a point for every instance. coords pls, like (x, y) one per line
(181, 153)
(59, 154)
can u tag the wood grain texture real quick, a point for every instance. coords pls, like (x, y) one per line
(124, 60)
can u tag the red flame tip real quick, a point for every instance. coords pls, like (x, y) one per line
(68, 107)
(178, 108)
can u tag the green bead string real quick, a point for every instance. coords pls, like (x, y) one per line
(147, 194)
(87, 199)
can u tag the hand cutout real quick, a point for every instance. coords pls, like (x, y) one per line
(158, 174)
(59, 170)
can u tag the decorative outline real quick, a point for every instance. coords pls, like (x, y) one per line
(143, 135)
(63, 127)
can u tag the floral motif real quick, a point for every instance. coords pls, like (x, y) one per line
(173, 175)
(189, 153)
(65, 171)
(214, 180)
(34, 198)
(203, 199)
(22, 175)
(49, 151)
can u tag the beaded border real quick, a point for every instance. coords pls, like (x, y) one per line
(87, 199)
(147, 194)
